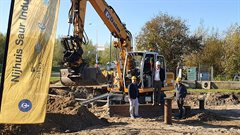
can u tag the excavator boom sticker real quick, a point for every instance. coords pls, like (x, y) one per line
(28, 61)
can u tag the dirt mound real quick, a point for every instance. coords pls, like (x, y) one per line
(213, 99)
(64, 114)
(222, 99)
(206, 116)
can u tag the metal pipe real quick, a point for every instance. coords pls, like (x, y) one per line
(168, 111)
(201, 104)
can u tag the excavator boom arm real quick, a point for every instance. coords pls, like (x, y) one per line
(73, 44)
(118, 30)
(77, 16)
(110, 18)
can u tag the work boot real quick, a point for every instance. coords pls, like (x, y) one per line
(138, 116)
(180, 117)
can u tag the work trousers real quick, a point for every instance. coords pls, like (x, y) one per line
(157, 86)
(180, 102)
(134, 105)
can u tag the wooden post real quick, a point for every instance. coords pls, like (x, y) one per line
(168, 110)
(201, 104)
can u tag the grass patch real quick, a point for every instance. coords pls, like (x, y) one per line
(52, 79)
(213, 91)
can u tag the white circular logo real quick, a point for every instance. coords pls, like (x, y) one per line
(25, 105)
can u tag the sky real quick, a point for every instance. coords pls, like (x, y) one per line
(217, 14)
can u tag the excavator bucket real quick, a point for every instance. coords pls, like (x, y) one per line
(77, 72)
(89, 76)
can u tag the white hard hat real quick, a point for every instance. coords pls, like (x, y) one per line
(158, 63)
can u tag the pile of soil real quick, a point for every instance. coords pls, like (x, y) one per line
(64, 114)
(100, 111)
(213, 99)
(222, 99)
(199, 115)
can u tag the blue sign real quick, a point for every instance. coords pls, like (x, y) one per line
(25, 105)
(205, 76)
(192, 73)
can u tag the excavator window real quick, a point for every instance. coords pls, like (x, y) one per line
(135, 67)
(160, 58)
(148, 70)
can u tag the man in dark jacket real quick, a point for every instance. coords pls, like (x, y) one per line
(159, 77)
(181, 93)
(133, 98)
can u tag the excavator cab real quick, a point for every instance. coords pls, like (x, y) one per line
(142, 66)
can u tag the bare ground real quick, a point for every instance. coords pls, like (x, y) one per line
(210, 121)
(66, 116)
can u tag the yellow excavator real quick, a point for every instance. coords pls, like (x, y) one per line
(33, 23)
(128, 63)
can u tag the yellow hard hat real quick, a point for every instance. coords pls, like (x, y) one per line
(134, 78)
(178, 79)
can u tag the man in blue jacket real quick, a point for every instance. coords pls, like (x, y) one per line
(181, 93)
(133, 98)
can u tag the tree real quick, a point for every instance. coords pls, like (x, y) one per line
(232, 49)
(193, 59)
(58, 53)
(2, 46)
(89, 53)
(212, 54)
(105, 55)
(169, 37)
